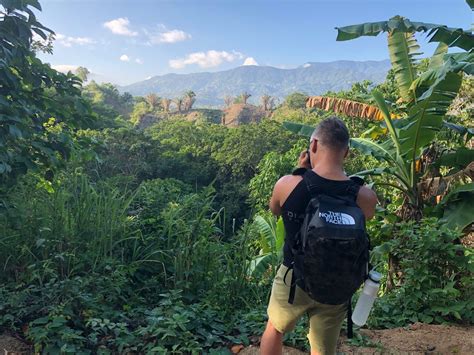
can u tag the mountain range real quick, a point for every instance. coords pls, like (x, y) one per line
(312, 78)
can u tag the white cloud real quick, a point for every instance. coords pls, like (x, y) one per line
(120, 27)
(171, 36)
(307, 65)
(250, 61)
(68, 41)
(138, 61)
(207, 59)
(64, 68)
(124, 58)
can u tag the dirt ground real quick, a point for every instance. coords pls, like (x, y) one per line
(414, 340)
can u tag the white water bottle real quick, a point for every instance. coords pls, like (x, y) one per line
(366, 298)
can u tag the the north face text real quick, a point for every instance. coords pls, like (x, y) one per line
(337, 218)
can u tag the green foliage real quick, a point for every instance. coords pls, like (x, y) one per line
(435, 284)
(402, 48)
(428, 96)
(270, 240)
(269, 170)
(455, 37)
(64, 228)
(296, 101)
(40, 107)
(120, 240)
(108, 104)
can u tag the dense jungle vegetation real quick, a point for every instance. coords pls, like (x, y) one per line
(119, 238)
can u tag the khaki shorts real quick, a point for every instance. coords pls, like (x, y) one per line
(325, 320)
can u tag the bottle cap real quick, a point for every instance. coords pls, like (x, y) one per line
(375, 276)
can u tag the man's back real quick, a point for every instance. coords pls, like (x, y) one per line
(366, 198)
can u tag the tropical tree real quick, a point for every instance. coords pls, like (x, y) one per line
(426, 99)
(40, 107)
(267, 102)
(179, 103)
(188, 100)
(153, 101)
(270, 240)
(228, 100)
(243, 97)
(296, 100)
(165, 103)
(82, 73)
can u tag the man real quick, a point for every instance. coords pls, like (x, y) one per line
(329, 146)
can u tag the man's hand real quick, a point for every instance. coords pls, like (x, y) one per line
(303, 160)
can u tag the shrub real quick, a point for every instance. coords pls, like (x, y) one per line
(435, 282)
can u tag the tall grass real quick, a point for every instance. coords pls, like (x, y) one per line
(164, 234)
(71, 229)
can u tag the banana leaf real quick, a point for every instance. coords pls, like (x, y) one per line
(453, 37)
(260, 265)
(299, 128)
(403, 47)
(439, 88)
(395, 24)
(266, 231)
(378, 151)
(457, 208)
(460, 129)
(437, 59)
(459, 158)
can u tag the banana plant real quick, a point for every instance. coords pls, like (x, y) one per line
(426, 98)
(271, 239)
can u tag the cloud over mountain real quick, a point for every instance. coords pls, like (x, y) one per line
(250, 61)
(207, 59)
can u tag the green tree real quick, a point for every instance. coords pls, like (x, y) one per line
(153, 101)
(267, 102)
(296, 100)
(427, 96)
(242, 98)
(189, 100)
(165, 103)
(107, 103)
(82, 73)
(40, 107)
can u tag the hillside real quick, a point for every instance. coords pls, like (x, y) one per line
(312, 78)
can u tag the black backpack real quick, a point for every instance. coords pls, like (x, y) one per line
(331, 250)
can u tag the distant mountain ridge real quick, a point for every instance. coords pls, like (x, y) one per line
(313, 78)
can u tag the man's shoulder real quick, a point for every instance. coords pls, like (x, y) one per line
(368, 194)
(288, 180)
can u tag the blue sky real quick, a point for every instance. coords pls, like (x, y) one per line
(127, 41)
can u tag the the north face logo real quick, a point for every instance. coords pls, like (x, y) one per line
(337, 218)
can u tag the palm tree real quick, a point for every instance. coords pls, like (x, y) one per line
(244, 97)
(179, 103)
(189, 99)
(228, 100)
(267, 102)
(165, 103)
(153, 101)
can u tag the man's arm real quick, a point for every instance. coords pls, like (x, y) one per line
(274, 204)
(367, 200)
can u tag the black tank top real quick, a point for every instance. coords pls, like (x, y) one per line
(293, 210)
